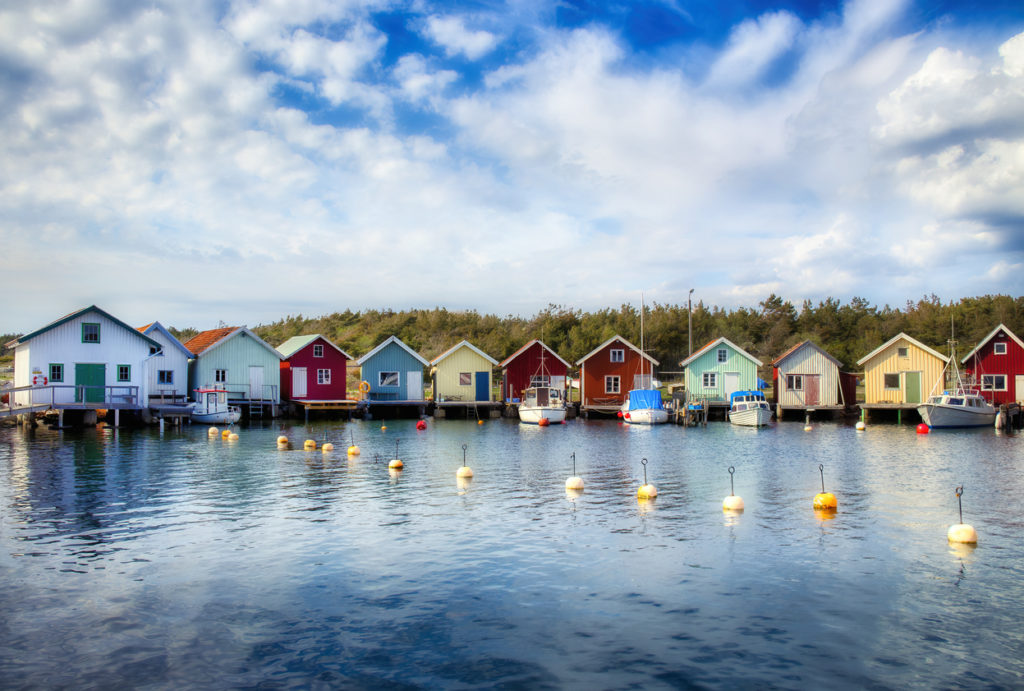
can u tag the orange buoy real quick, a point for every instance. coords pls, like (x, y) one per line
(824, 501)
(543, 422)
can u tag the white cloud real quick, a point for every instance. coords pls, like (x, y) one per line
(752, 47)
(451, 33)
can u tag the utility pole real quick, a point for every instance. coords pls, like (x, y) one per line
(689, 320)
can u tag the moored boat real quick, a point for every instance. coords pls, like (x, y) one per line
(644, 407)
(212, 407)
(542, 402)
(749, 409)
(954, 404)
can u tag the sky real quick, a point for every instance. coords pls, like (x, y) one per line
(240, 161)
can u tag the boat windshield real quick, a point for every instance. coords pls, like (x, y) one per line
(956, 401)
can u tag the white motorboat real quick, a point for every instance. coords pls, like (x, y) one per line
(953, 404)
(212, 407)
(542, 402)
(749, 409)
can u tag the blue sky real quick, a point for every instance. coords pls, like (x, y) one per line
(196, 162)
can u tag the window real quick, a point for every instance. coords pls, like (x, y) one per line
(165, 376)
(323, 376)
(999, 348)
(795, 382)
(723, 354)
(710, 380)
(153, 350)
(903, 352)
(465, 379)
(388, 379)
(891, 381)
(540, 380)
(617, 355)
(989, 382)
(90, 333)
(124, 372)
(220, 375)
(611, 383)
(318, 351)
(56, 372)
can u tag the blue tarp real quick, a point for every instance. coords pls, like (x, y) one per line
(644, 399)
(761, 383)
(734, 394)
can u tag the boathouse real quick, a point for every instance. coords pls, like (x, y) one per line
(239, 361)
(609, 371)
(900, 373)
(313, 369)
(808, 378)
(996, 366)
(86, 359)
(167, 370)
(535, 364)
(392, 372)
(462, 373)
(717, 369)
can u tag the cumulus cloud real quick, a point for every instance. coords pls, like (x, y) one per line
(451, 33)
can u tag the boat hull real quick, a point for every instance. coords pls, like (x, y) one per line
(751, 417)
(645, 416)
(532, 415)
(223, 417)
(938, 416)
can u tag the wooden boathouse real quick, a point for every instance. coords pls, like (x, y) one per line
(716, 370)
(462, 382)
(237, 360)
(609, 371)
(996, 367)
(314, 374)
(899, 374)
(392, 379)
(808, 379)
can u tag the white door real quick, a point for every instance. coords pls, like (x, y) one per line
(1018, 394)
(255, 381)
(414, 386)
(732, 382)
(298, 382)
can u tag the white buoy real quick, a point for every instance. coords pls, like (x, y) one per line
(860, 426)
(575, 482)
(732, 502)
(961, 532)
(464, 470)
(213, 431)
(327, 447)
(233, 436)
(807, 428)
(281, 440)
(395, 464)
(646, 490)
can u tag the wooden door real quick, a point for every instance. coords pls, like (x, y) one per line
(811, 387)
(414, 385)
(912, 387)
(483, 385)
(93, 376)
(1018, 394)
(732, 382)
(255, 382)
(298, 382)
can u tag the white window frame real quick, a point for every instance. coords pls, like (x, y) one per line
(318, 350)
(617, 355)
(383, 378)
(999, 348)
(994, 379)
(165, 377)
(220, 376)
(612, 383)
(795, 382)
(891, 374)
(709, 380)
(323, 376)
(723, 354)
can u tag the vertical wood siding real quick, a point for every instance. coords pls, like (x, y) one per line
(392, 358)
(332, 360)
(708, 362)
(808, 360)
(889, 362)
(236, 356)
(448, 370)
(985, 361)
(520, 371)
(599, 365)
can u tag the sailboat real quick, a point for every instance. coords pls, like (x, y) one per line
(541, 401)
(956, 405)
(643, 405)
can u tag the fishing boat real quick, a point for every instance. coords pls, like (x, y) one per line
(749, 409)
(643, 405)
(542, 402)
(952, 403)
(212, 407)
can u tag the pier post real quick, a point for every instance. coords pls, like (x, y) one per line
(899, 416)
(117, 417)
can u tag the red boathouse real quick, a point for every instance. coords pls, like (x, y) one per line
(996, 366)
(525, 368)
(608, 373)
(313, 369)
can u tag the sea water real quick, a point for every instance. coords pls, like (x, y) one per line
(134, 558)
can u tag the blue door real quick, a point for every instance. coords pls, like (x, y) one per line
(482, 386)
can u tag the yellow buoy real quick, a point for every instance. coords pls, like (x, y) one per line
(225, 434)
(464, 471)
(825, 501)
(282, 439)
(233, 436)
(574, 483)
(383, 428)
(646, 491)
(479, 422)
(395, 464)
(807, 428)
(353, 450)
(860, 426)
(213, 431)
(327, 447)
(309, 445)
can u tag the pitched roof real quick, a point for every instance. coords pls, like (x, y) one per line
(207, 340)
(513, 356)
(68, 317)
(800, 345)
(397, 341)
(297, 343)
(708, 346)
(896, 338)
(988, 338)
(616, 337)
(458, 345)
(157, 326)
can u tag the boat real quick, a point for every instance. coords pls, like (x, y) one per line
(749, 409)
(951, 403)
(212, 406)
(542, 403)
(643, 406)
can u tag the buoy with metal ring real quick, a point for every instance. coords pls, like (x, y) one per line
(732, 502)
(395, 463)
(824, 501)
(309, 444)
(225, 434)
(575, 482)
(213, 431)
(922, 428)
(464, 470)
(860, 426)
(353, 450)
(647, 490)
(281, 440)
(961, 532)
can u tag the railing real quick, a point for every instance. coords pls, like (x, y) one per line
(116, 395)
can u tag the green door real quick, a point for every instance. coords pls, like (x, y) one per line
(93, 376)
(912, 387)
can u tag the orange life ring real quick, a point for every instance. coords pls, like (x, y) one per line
(364, 386)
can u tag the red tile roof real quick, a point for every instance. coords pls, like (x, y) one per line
(143, 328)
(197, 344)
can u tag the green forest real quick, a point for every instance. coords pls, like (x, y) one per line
(846, 330)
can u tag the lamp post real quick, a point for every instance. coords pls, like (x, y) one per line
(689, 320)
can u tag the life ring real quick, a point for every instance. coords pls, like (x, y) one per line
(39, 379)
(364, 387)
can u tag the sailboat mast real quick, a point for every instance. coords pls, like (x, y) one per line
(642, 357)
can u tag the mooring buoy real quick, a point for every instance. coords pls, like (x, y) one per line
(646, 490)
(464, 471)
(961, 532)
(732, 502)
(824, 501)
(575, 482)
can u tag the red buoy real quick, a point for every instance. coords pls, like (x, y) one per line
(543, 422)
(619, 413)
(923, 429)
(421, 425)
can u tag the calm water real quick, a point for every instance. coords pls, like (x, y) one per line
(131, 559)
